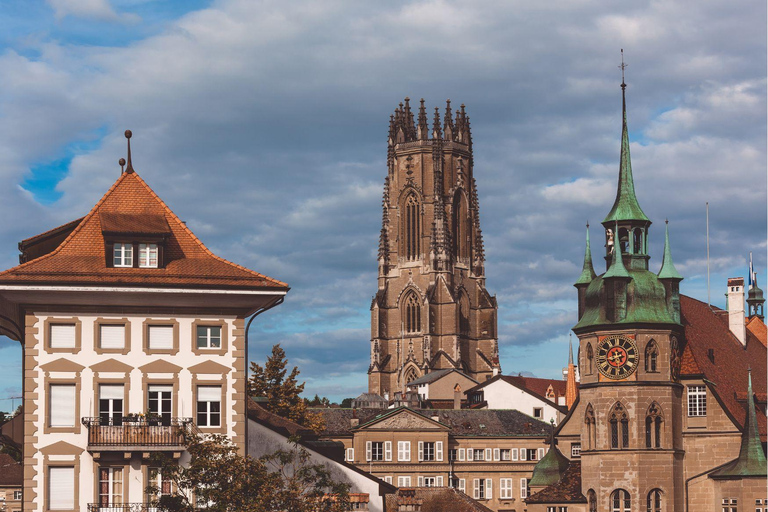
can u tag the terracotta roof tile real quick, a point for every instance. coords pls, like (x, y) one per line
(727, 369)
(11, 472)
(130, 204)
(434, 499)
(756, 328)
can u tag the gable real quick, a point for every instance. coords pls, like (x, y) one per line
(160, 366)
(404, 419)
(111, 366)
(62, 365)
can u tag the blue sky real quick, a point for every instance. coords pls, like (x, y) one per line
(263, 124)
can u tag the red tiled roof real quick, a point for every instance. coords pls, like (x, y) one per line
(131, 206)
(11, 472)
(567, 490)
(688, 364)
(538, 386)
(433, 499)
(756, 328)
(728, 372)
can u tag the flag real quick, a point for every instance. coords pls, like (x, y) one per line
(751, 273)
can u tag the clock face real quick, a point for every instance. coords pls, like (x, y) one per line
(616, 357)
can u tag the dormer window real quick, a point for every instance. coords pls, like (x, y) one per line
(123, 254)
(147, 255)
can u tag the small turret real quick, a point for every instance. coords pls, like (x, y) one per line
(571, 389)
(586, 277)
(670, 278)
(423, 129)
(755, 300)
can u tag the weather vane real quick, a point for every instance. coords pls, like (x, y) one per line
(623, 66)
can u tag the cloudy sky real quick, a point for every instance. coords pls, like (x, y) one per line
(263, 124)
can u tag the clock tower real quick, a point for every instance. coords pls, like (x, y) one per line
(629, 348)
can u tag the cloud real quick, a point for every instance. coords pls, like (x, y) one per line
(100, 10)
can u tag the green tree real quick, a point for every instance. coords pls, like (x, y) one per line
(347, 403)
(282, 393)
(219, 479)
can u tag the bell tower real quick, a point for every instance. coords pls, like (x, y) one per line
(630, 340)
(431, 310)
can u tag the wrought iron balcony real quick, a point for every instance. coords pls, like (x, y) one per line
(137, 434)
(123, 507)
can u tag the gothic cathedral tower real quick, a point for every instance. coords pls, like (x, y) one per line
(431, 310)
(629, 348)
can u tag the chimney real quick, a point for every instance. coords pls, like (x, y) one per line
(736, 308)
(457, 396)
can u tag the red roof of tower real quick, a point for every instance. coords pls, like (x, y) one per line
(130, 206)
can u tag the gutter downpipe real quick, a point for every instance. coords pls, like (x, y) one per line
(276, 302)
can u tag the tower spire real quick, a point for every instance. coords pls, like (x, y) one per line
(625, 207)
(668, 270)
(571, 390)
(587, 271)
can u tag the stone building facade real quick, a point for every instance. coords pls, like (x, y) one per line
(668, 416)
(431, 310)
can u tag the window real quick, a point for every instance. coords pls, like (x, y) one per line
(479, 488)
(17, 495)
(452, 454)
(209, 406)
(112, 336)
(61, 405)
(404, 451)
(592, 500)
(538, 412)
(427, 450)
(374, 451)
(403, 481)
(62, 336)
(123, 255)
(575, 450)
(513, 453)
(160, 402)
(478, 455)
(162, 485)
(496, 454)
(412, 227)
(619, 426)
(412, 321)
(620, 501)
(504, 454)
(111, 404)
(524, 487)
(589, 421)
(431, 481)
(61, 488)
(534, 454)
(160, 337)
(590, 358)
(208, 336)
(697, 401)
(461, 454)
(110, 487)
(462, 485)
(653, 421)
(505, 488)
(147, 255)
(388, 479)
(350, 454)
(654, 500)
(730, 505)
(651, 357)
(557, 509)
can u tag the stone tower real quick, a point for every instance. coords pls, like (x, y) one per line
(630, 340)
(431, 310)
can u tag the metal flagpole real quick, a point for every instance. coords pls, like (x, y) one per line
(709, 301)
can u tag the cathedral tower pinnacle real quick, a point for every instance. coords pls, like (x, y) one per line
(432, 310)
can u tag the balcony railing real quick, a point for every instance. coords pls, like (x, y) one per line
(138, 433)
(123, 507)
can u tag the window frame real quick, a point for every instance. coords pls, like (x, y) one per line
(123, 257)
(145, 252)
(696, 400)
(208, 412)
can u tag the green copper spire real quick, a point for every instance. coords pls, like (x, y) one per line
(617, 262)
(626, 206)
(551, 468)
(751, 461)
(668, 270)
(588, 271)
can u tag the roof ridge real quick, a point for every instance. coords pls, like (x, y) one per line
(194, 237)
(49, 231)
(77, 229)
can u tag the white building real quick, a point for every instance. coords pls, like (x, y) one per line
(543, 399)
(130, 327)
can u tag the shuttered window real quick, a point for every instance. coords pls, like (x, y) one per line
(62, 336)
(112, 336)
(61, 488)
(62, 405)
(209, 406)
(160, 337)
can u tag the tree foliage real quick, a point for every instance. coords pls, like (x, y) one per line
(282, 392)
(219, 479)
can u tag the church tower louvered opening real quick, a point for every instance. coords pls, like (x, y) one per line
(431, 310)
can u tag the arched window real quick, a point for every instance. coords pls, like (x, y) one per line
(651, 357)
(412, 228)
(624, 240)
(620, 501)
(412, 314)
(410, 375)
(589, 421)
(637, 241)
(653, 424)
(464, 314)
(592, 500)
(654, 500)
(590, 358)
(460, 227)
(619, 421)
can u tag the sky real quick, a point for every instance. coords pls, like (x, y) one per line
(263, 125)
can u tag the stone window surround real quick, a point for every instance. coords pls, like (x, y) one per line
(98, 381)
(196, 382)
(224, 337)
(125, 322)
(146, 381)
(161, 322)
(75, 429)
(63, 321)
(48, 463)
(145, 471)
(124, 464)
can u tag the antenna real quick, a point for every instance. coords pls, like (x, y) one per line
(623, 66)
(709, 302)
